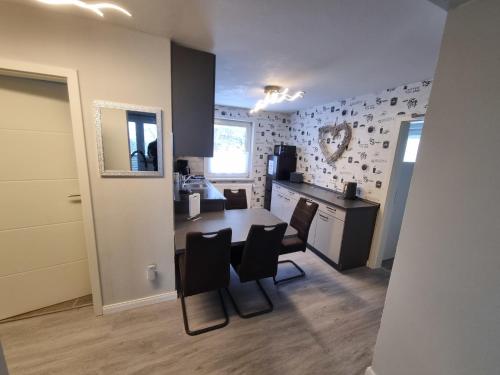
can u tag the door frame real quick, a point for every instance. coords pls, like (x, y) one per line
(70, 78)
(392, 187)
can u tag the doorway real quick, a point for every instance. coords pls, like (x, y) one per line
(43, 256)
(402, 172)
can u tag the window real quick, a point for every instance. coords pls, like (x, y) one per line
(232, 150)
(413, 141)
(142, 135)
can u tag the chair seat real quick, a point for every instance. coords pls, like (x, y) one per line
(292, 245)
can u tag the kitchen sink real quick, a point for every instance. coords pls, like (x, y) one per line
(196, 185)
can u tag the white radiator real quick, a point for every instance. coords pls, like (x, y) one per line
(248, 186)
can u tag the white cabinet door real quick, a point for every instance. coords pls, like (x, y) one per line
(289, 206)
(274, 202)
(312, 228)
(328, 236)
(335, 241)
(278, 207)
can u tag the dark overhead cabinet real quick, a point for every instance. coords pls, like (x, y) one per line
(193, 91)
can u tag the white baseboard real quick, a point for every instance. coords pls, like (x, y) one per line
(132, 304)
(369, 371)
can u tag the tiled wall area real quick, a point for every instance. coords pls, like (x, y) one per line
(375, 120)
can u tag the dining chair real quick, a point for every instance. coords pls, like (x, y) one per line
(258, 259)
(204, 267)
(301, 220)
(235, 199)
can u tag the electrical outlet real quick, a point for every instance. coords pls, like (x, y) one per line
(151, 272)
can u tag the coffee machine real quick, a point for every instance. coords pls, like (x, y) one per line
(182, 166)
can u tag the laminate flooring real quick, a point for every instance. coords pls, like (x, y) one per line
(325, 323)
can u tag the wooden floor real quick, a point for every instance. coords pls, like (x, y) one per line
(324, 324)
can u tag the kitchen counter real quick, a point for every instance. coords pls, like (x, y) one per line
(326, 195)
(211, 199)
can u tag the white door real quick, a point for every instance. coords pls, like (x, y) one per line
(43, 260)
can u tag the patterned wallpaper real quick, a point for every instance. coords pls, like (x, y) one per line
(270, 128)
(375, 120)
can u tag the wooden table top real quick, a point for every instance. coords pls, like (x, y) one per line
(238, 220)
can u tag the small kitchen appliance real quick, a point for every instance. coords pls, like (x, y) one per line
(350, 190)
(183, 167)
(297, 177)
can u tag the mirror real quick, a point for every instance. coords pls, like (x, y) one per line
(129, 140)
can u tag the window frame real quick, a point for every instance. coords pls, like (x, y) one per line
(421, 123)
(249, 125)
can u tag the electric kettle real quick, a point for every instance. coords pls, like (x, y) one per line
(350, 190)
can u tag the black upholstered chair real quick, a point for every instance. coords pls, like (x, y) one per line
(258, 259)
(204, 267)
(301, 220)
(235, 199)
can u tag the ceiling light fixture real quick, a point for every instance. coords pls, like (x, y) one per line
(96, 8)
(274, 95)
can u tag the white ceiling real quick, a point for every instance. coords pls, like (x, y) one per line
(331, 49)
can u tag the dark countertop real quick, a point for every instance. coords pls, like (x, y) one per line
(326, 196)
(210, 193)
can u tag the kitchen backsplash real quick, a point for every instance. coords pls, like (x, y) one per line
(375, 120)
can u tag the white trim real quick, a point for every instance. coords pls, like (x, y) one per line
(370, 371)
(132, 304)
(70, 76)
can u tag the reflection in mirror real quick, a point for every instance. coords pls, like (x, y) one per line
(129, 139)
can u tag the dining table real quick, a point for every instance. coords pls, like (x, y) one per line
(239, 221)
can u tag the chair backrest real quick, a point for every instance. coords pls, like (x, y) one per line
(205, 266)
(235, 199)
(302, 217)
(260, 254)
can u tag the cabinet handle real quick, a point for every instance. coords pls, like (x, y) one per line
(325, 218)
(331, 208)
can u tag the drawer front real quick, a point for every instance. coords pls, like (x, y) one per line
(291, 193)
(277, 187)
(333, 211)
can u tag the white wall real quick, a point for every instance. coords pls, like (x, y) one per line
(442, 314)
(133, 216)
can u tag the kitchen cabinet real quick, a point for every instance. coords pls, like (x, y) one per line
(340, 233)
(193, 94)
(276, 203)
(328, 235)
(283, 204)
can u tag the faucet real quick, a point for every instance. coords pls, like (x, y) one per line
(185, 180)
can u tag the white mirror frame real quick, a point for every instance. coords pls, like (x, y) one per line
(98, 104)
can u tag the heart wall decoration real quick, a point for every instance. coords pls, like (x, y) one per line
(333, 140)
